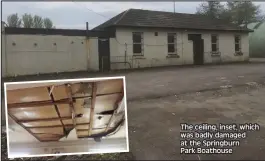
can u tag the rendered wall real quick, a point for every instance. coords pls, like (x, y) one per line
(155, 48)
(38, 54)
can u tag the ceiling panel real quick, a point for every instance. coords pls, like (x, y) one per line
(27, 95)
(50, 130)
(59, 92)
(42, 123)
(79, 127)
(109, 86)
(67, 121)
(81, 89)
(82, 133)
(97, 131)
(106, 103)
(78, 90)
(29, 113)
(64, 110)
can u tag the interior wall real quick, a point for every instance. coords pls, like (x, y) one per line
(77, 146)
(18, 133)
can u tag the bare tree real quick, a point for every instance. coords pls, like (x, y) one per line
(237, 12)
(48, 23)
(244, 12)
(27, 20)
(38, 22)
(13, 20)
(212, 9)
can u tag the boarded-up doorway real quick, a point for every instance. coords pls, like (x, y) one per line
(198, 48)
(104, 54)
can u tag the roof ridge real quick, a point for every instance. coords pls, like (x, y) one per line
(163, 11)
(125, 12)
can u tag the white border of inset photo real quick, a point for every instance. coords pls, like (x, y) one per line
(68, 81)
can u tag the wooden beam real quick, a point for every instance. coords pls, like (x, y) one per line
(46, 119)
(104, 94)
(48, 134)
(103, 133)
(69, 125)
(37, 103)
(93, 102)
(50, 103)
(31, 127)
(71, 104)
(87, 129)
(57, 110)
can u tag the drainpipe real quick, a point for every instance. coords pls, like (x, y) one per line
(183, 60)
(87, 46)
(125, 55)
(5, 47)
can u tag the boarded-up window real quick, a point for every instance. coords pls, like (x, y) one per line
(171, 43)
(237, 43)
(137, 43)
(214, 41)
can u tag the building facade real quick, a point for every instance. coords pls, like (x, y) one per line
(132, 39)
(161, 47)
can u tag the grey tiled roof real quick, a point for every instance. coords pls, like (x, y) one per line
(160, 19)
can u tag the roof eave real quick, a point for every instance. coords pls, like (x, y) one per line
(230, 30)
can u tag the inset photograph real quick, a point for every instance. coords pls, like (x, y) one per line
(66, 117)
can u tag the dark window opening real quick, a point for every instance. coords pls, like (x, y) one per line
(137, 43)
(237, 43)
(170, 38)
(137, 48)
(156, 33)
(214, 47)
(237, 47)
(171, 43)
(214, 41)
(137, 37)
(171, 48)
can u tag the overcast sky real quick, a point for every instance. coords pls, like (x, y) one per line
(74, 15)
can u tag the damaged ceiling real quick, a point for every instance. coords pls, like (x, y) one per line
(49, 112)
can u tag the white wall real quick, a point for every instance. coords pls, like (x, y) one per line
(24, 58)
(155, 48)
(226, 47)
(93, 54)
(76, 146)
(71, 53)
(3, 42)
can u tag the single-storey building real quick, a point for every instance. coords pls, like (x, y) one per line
(147, 38)
(133, 39)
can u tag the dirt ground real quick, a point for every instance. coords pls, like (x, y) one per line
(160, 99)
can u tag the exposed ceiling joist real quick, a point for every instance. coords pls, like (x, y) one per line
(71, 104)
(57, 110)
(50, 102)
(38, 103)
(93, 102)
(70, 125)
(46, 119)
